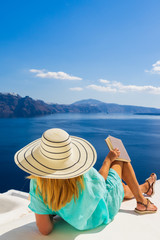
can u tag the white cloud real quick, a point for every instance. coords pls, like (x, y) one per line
(104, 81)
(36, 71)
(101, 88)
(78, 89)
(119, 87)
(54, 75)
(155, 68)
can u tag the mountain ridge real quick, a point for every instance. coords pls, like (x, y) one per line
(13, 105)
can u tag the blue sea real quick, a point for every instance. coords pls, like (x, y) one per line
(140, 135)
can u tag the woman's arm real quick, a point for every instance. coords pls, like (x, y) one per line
(111, 157)
(44, 223)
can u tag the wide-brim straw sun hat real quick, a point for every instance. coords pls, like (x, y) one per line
(56, 155)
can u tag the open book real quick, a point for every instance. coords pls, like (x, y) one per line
(113, 143)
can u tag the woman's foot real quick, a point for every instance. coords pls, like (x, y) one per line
(151, 183)
(145, 207)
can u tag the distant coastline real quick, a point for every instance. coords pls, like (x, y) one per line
(15, 106)
(152, 114)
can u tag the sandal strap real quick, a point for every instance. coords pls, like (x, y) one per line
(146, 205)
(150, 186)
(143, 204)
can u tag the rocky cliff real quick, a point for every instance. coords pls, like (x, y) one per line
(13, 105)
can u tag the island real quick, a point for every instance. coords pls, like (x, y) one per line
(15, 106)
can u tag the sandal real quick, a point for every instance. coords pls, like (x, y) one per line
(151, 185)
(147, 208)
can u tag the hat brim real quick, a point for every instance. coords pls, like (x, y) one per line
(31, 160)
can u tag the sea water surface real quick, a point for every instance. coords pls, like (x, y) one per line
(140, 135)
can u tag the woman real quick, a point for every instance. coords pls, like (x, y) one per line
(64, 182)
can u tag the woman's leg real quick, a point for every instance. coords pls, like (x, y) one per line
(128, 193)
(126, 172)
(118, 167)
(147, 187)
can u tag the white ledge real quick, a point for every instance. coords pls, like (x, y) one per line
(17, 222)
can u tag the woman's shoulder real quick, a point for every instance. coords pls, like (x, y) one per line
(92, 175)
(33, 185)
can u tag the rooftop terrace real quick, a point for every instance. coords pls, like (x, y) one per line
(17, 222)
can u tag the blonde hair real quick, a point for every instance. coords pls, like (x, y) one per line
(56, 193)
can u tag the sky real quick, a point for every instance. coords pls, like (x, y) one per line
(63, 51)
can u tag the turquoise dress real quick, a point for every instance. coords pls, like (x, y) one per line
(98, 203)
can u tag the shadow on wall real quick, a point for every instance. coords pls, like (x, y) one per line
(62, 231)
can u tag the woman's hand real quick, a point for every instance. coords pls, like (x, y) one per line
(113, 154)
